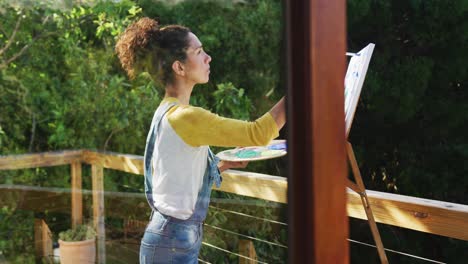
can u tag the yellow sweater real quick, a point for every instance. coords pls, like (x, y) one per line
(199, 127)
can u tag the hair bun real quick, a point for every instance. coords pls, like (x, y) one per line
(138, 37)
(148, 31)
(145, 46)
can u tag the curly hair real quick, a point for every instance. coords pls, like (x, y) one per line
(145, 46)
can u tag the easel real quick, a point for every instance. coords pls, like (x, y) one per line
(357, 69)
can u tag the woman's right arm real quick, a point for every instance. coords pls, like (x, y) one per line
(198, 127)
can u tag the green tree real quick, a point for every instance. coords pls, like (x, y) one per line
(409, 130)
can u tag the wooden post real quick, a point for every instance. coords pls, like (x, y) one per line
(316, 63)
(42, 239)
(247, 248)
(76, 194)
(97, 174)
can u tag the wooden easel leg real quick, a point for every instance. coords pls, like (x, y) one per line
(361, 190)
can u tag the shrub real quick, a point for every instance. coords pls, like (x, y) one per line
(79, 233)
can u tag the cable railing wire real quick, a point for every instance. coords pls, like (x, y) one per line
(281, 223)
(250, 216)
(283, 246)
(203, 261)
(351, 240)
(250, 237)
(57, 256)
(397, 252)
(273, 243)
(233, 253)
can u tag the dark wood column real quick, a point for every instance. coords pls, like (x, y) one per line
(316, 46)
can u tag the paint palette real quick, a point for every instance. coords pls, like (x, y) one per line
(276, 148)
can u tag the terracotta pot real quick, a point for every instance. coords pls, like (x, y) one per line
(75, 252)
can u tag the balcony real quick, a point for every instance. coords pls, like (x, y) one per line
(120, 217)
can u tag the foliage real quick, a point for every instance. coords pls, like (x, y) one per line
(410, 125)
(16, 235)
(412, 102)
(61, 87)
(79, 233)
(246, 51)
(242, 216)
(68, 91)
(231, 102)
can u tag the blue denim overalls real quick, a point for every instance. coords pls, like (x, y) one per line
(168, 239)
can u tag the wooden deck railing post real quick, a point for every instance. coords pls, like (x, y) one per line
(316, 66)
(247, 248)
(76, 194)
(97, 174)
(42, 239)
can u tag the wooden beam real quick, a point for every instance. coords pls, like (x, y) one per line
(45, 159)
(116, 161)
(262, 186)
(76, 194)
(97, 174)
(318, 226)
(430, 216)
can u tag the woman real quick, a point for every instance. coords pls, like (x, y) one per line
(180, 169)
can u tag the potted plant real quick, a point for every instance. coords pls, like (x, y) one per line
(78, 245)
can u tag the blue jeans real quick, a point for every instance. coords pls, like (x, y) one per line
(169, 240)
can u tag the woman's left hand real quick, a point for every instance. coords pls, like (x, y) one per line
(225, 165)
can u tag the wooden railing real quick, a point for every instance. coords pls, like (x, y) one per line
(430, 216)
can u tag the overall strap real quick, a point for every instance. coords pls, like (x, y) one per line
(214, 171)
(149, 149)
(211, 176)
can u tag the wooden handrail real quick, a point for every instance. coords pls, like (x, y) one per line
(256, 185)
(44, 159)
(116, 161)
(425, 215)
